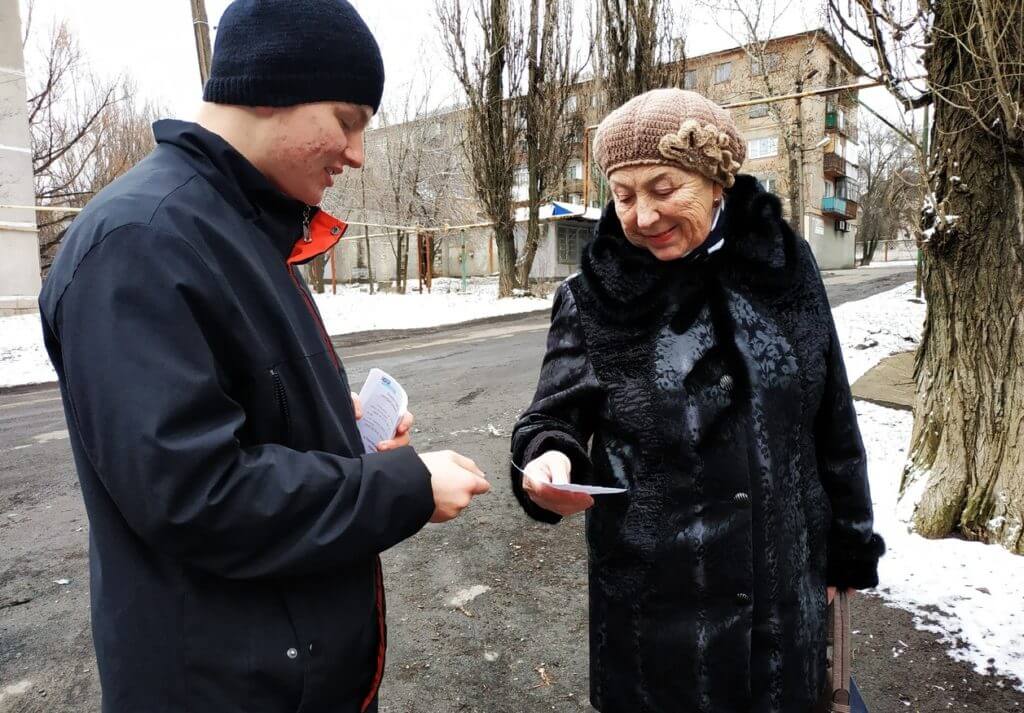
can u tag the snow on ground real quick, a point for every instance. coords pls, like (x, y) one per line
(879, 326)
(23, 358)
(354, 309)
(967, 593)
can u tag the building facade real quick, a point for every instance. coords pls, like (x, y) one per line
(802, 149)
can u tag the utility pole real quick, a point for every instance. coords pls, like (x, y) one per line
(19, 244)
(202, 30)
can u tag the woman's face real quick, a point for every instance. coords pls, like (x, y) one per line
(664, 209)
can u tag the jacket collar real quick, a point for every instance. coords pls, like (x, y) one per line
(299, 232)
(758, 248)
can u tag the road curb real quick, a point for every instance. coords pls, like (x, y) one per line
(347, 341)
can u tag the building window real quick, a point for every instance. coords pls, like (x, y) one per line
(847, 189)
(723, 72)
(772, 61)
(758, 111)
(571, 104)
(521, 184)
(764, 147)
(769, 181)
(690, 79)
(574, 170)
(576, 198)
(571, 239)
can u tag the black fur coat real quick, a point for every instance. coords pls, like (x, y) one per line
(713, 388)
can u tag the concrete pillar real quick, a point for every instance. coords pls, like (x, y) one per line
(19, 246)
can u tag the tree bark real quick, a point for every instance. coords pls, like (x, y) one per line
(965, 472)
(504, 237)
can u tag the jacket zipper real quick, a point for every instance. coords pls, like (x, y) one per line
(281, 396)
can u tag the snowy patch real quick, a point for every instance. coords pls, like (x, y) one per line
(354, 309)
(23, 358)
(967, 593)
(15, 689)
(465, 596)
(879, 326)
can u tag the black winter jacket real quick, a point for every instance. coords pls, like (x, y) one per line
(713, 388)
(235, 520)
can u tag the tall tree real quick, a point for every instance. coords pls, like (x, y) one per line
(412, 177)
(488, 61)
(753, 26)
(637, 47)
(965, 472)
(85, 131)
(891, 187)
(553, 72)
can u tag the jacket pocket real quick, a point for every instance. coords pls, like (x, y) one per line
(281, 401)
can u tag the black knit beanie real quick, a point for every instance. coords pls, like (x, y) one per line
(288, 52)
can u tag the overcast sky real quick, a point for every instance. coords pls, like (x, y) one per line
(153, 42)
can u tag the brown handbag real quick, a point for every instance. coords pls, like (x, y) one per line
(836, 696)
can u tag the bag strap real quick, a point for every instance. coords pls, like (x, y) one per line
(839, 626)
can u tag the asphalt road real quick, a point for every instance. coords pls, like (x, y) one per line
(487, 613)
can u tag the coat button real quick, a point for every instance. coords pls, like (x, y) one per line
(725, 382)
(742, 500)
(292, 653)
(743, 599)
(314, 648)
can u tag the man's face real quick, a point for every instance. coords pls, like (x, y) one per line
(309, 144)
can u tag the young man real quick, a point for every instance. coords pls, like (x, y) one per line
(235, 521)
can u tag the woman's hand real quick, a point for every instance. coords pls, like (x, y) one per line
(401, 437)
(541, 472)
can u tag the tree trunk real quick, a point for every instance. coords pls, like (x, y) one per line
(796, 212)
(504, 237)
(533, 237)
(966, 466)
(316, 273)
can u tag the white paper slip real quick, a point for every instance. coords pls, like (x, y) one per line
(384, 401)
(589, 489)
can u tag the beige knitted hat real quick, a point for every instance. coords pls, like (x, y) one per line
(671, 127)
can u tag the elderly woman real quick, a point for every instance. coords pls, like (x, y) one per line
(695, 353)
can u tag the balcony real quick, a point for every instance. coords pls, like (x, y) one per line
(835, 122)
(840, 208)
(835, 166)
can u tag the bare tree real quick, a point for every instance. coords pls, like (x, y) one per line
(488, 62)
(412, 177)
(891, 188)
(553, 72)
(637, 47)
(752, 26)
(85, 132)
(965, 472)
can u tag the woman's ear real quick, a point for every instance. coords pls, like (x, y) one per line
(716, 191)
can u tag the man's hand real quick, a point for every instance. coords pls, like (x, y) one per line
(553, 467)
(455, 480)
(402, 432)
